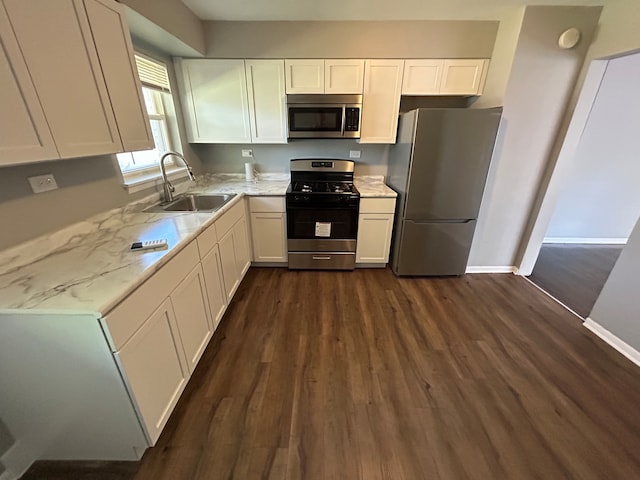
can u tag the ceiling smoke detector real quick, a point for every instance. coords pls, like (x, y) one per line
(569, 38)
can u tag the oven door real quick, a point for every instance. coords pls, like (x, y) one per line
(316, 121)
(316, 228)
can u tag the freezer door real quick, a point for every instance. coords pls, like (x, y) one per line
(433, 248)
(449, 164)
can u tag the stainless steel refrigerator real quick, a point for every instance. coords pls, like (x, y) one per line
(439, 168)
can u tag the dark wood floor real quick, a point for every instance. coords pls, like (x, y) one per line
(575, 274)
(360, 375)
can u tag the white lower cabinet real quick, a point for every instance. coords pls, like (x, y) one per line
(191, 307)
(155, 368)
(241, 243)
(212, 269)
(235, 257)
(269, 237)
(268, 229)
(375, 226)
(230, 273)
(159, 333)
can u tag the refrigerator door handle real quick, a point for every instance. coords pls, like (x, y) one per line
(421, 222)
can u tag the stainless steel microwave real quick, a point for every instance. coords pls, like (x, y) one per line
(324, 116)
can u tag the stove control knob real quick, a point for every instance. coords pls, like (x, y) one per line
(296, 198)
(306, 198)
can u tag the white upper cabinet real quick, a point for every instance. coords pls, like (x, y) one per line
(267, 100)
(381, 101)
(324, 76)
(55, 41)
(24, 133)
(304, 76)
(343, 76)
(422, 77)
(215, 101)
(227, 103)
(113, 44)
(70, 68)
(463, 77)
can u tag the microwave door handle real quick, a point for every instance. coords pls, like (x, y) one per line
(344, 114)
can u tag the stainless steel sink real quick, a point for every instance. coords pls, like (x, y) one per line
(192, 202)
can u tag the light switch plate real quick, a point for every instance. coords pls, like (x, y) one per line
(43, 183)
(354, 153)
(247, 153)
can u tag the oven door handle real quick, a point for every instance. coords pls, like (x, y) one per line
(318, 257)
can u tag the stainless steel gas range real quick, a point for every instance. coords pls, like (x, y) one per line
(322, 214)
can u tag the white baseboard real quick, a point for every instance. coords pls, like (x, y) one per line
(495, 269)
(17, 461)
(586, 241)
(620, 345)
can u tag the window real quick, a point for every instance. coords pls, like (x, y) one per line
(143, 166)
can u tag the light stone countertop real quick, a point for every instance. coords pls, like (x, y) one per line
(88, 268)
(373, 186)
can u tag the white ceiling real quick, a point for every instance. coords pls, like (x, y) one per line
(365, 9)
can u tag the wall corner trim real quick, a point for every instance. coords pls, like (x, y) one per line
(612, 340)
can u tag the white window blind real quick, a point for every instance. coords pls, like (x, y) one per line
(152, 74)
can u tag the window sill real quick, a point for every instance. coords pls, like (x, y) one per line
(137, 183)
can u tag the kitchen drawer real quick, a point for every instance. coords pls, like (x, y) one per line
(229, 218)
(124, 320)
(266, 204)
(207, 240)
(322, 260)
(378, 205)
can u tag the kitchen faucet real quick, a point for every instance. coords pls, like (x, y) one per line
(168, 188)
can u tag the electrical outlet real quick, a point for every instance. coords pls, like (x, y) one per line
(354, 153)
(247, 153)
(43, 183)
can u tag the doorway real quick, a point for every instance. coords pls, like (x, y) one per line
(598, 205)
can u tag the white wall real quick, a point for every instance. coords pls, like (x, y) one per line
(152, 20)
(601, 200)
(618, 305)
(501, 60)
(539, 87)
(351, 39)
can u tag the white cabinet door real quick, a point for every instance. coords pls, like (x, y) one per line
(422, 77)
(212, 269)
(58, 50)
(343, 76)
(113, 44)
(241, 245)
(229, 264)
(191, 307)
(304, 76)
(24, 133)
(381, 101)
(463, 77)
(267, 100)
(269, 236)
(154, 368)
(374, 237)
(215, 99)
